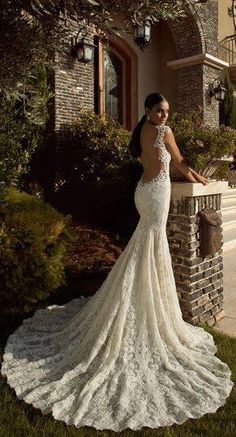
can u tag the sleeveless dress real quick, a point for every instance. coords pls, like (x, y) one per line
(123, 358)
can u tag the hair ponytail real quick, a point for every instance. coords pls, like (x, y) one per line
(134, 144)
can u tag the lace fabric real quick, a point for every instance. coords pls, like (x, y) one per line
(123, 358)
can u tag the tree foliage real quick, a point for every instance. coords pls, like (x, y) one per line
(22, 120)
(25, 41)
(228, 106)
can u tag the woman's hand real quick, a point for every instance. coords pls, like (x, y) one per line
(200, 178)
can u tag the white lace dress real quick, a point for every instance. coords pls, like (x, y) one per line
(123, 358)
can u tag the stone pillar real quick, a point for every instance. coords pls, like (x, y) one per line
(199, 281)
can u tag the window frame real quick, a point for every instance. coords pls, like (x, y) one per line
(130, 79)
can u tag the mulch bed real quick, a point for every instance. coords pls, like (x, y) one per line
(91, 255)
(93, 250)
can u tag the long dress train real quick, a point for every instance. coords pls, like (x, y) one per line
(123, 358)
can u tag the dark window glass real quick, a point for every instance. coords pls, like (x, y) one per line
(113, 70)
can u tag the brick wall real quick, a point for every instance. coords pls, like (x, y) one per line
(186, 35)
(210, 104)
(189, 89)
(208, 16)
(199, 281)
(195, 34)
(73, 85)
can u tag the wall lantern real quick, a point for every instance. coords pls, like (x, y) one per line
(81, 47)
(143, 34)
(217, 89)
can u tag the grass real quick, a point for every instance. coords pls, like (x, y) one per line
(18, 419)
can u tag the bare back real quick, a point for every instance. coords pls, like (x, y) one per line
(151, 140)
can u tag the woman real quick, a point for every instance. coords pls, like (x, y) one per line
(125, 358)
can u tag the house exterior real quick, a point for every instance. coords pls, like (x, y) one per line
(181, 61)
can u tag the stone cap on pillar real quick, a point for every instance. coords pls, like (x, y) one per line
(202, 58)
(193, 189)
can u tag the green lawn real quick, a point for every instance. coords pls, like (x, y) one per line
(17, 419)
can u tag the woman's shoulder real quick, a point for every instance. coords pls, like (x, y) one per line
(167, 129)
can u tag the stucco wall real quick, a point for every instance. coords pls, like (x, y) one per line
(225, 23)
(149, 74)
(153, 74)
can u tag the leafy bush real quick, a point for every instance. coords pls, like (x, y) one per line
(89, 146)
(198, 142)
(33, 239)
(84, 154)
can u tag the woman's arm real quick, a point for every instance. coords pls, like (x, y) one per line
(179, 160)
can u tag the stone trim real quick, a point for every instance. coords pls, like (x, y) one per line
(203, 58)
(180, 189)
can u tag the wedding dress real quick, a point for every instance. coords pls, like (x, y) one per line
(123, 358)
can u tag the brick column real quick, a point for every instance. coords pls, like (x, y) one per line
(195, 74)
(210, 104)
(199, 281)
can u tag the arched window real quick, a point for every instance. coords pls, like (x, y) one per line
(116, 83)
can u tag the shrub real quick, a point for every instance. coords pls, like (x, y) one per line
(198, 142)
(33, 239)
(228, 106)
(89, 146)
(85, 152)
(114, 206)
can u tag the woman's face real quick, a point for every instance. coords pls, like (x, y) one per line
(159, 112)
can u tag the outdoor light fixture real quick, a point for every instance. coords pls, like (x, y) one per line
(217, 89)
(81, 47)
(143, 34)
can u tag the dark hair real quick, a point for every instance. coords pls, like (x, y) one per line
(134, 144)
